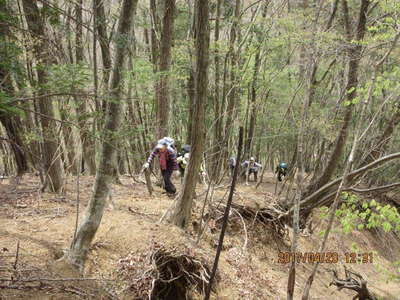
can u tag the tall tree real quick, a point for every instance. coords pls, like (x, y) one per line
(163, 85)
(81, 110)
(253, 88)
(51, 158)
(231, 94)
(216, 144)
(183, 208)
(91, 221)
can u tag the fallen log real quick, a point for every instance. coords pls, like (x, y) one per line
(351, 177)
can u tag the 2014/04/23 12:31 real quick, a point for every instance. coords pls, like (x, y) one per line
(323, 257)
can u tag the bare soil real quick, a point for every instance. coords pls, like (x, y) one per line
(43, 224)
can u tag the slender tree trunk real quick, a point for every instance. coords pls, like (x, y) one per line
(84, 126)
(191, 102)
(253, 90)
(94, 212)
(154, 32)
(52, 162)
(163, 85)
(101, 22)
(218, 101)
(232, 98)
(183, 208)
(190, 82)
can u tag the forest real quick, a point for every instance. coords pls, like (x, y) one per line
(200, 149)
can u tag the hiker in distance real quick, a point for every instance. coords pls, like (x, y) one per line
(251, 167)
(168, 163)
(281, 170)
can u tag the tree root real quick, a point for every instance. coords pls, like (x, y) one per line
(354, 282)
(165, 274)
(267, 216)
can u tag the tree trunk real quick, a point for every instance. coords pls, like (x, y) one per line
(232, 93)
(183, 208)
(162, 87)
(253, 90)
(354, 54)
(12, 124)
(51, 158)
(90, 223)
(13, 129)
(104, 43)
(216, 145)
(155, 29)
(87, 143)
(191, 104)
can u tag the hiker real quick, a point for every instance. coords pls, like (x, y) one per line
(183, 161)
(185, 149)
(232, 165)
(251, 167)
(168, 163)
(281, 170)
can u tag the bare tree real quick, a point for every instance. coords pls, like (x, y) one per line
(94, 211)
(183, 207)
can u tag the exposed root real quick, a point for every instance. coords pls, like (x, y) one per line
(354, 282)
(267, 216)
(165, 274)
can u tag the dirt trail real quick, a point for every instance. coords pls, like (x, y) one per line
(44, 225)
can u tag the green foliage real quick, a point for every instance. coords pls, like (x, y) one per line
(51, 14)
(67, 78)
(6, 105)
(358, 214)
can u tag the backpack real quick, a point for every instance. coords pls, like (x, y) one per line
(283, 165)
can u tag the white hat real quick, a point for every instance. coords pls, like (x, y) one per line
(168, 140)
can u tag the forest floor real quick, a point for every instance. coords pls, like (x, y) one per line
(41, 225)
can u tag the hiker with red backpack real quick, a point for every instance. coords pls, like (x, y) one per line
(168, 164)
